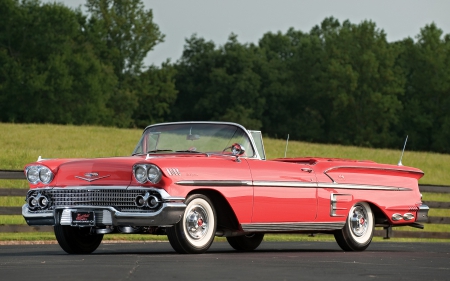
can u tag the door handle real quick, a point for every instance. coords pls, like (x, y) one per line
(308, 170)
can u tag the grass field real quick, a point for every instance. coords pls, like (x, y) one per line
(23, 143)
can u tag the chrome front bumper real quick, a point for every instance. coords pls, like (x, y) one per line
(112, 206)
(168, 215)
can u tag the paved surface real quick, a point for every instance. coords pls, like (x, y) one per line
(271, 261)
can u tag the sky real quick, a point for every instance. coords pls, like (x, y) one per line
(215, 20)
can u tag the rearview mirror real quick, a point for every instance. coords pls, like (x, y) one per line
(192, 137)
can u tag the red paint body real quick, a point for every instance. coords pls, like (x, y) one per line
(223, 162)
(261, 204)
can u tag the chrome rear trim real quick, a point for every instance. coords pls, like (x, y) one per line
(422, 213)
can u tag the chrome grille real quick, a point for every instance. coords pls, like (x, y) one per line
(121, 199)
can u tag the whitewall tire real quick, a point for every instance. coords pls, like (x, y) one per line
(196, 230)
(358, 229)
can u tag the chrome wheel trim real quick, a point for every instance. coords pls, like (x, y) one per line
(198, 222)
(360, 222)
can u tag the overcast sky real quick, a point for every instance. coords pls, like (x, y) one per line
(215, 20)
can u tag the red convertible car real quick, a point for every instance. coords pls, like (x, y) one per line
(193, 181)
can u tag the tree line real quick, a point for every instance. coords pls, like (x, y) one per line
(338, 83)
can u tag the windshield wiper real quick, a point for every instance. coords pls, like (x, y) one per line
(158, 150)
(189, 151)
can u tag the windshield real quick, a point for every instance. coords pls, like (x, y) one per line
(193, 138)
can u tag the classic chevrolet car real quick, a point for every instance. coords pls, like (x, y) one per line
(193, 181)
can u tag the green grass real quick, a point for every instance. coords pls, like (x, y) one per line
(12, 219)
(439, 197)
(12, 201)
(439, 212)
(28, 236)
(23, 143)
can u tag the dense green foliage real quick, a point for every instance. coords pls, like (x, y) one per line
(340, 83)
(60, 66)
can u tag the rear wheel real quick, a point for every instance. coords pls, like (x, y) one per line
(246, 243)
(77, 240)
(358, 229)
(195, 232)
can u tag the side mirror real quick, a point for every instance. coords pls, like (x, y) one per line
(237, 149)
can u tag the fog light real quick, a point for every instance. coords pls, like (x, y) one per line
(140, 202)
(152, 201)
(43, 202)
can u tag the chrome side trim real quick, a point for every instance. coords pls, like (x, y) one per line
(288, 227)
(214, 183)
(422, 213)
(363, 186)
(247, 183)
(333, 203)
(372, 168)
(288, 184)
(285, 184)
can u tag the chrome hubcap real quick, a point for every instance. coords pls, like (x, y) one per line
(197, 222)
(358, 221)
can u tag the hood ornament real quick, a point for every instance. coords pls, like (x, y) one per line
(93, 176)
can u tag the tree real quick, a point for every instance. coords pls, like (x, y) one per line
(293, 65)
(426, 64)
(129, 33)
(360, 84)
(219, 84)
(45, 60)
(157, 94)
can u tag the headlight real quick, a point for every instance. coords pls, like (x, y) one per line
(32, 173)
(154, 174)
(45, 175)
(147, 172)
(140, 173)
(36, 174)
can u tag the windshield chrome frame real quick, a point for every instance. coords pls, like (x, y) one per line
(252, 141)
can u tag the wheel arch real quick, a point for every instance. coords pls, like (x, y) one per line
(226, 218)
(380, 218)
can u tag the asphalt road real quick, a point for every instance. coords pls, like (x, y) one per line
(271, 261)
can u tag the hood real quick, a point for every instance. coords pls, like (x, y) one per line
(115, 171)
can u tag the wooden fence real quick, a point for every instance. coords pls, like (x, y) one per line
(386, 233)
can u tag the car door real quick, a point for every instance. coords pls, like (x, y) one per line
(283, 192)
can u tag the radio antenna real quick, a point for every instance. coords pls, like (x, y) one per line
(285, 151)
(400, 161)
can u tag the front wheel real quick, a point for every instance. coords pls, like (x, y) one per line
(246, 243)
(77, 240)
(358, 229)
(195, 232)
